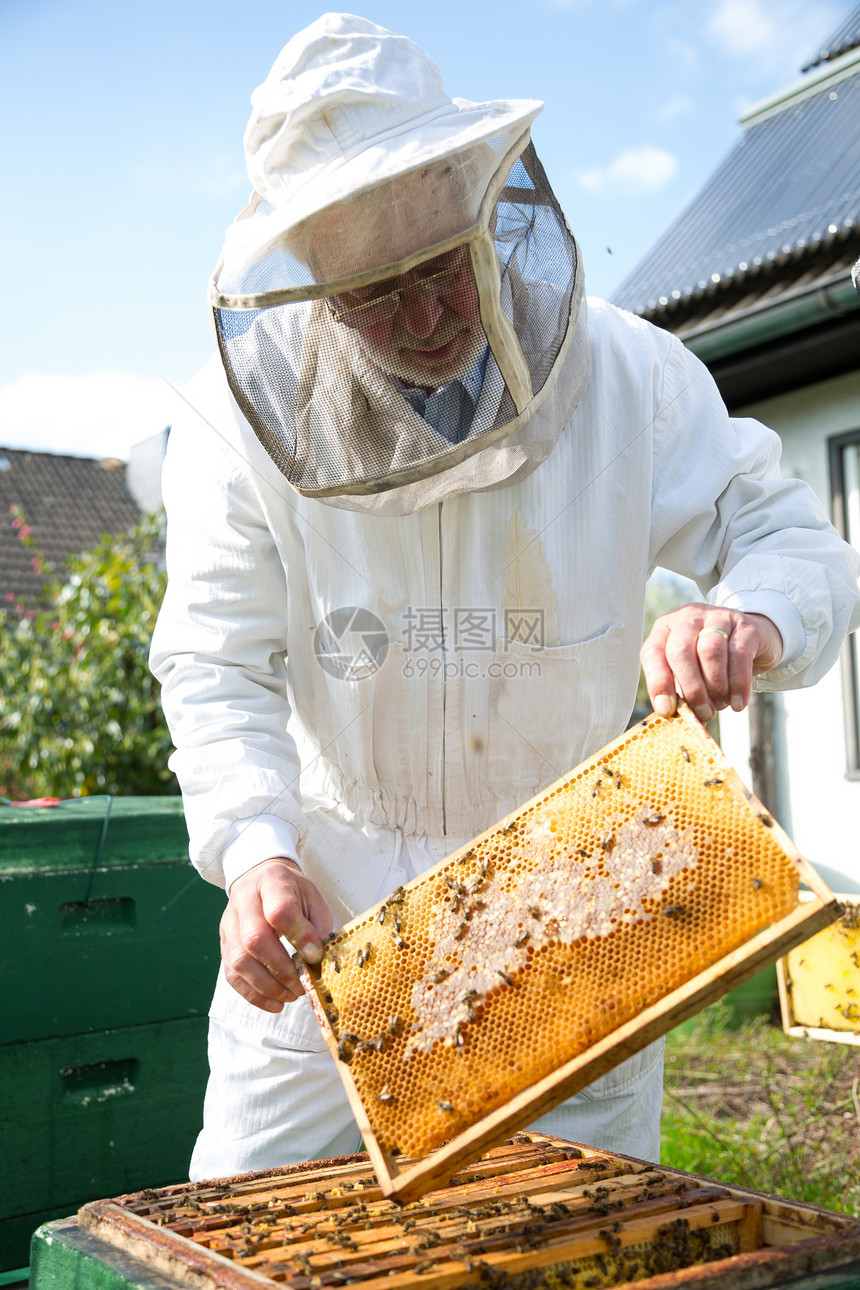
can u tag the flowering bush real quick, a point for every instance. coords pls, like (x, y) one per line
(79, 710)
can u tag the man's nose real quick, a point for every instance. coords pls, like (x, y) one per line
(420, 310)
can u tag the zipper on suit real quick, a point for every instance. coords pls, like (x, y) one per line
(444, 671)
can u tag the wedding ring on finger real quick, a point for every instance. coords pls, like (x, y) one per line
(718, 630)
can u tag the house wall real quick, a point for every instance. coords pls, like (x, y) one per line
(818, 805)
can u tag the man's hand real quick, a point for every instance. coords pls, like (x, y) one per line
(272, 900)
(710, 656)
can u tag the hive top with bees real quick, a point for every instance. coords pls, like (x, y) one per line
(620, 900)
(536, 1213)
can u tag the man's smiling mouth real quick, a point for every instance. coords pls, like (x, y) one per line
(440, 353)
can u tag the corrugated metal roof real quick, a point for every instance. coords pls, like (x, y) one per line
(69, 502)
(827, 271)
(845, 37)
(790, 186)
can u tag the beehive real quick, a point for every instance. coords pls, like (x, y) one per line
(537, 1213)
(553, 946)
(819, 981)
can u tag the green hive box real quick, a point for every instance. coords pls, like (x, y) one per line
(132, 940)
(108, 958)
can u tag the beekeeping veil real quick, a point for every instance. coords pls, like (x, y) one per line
(399, 308)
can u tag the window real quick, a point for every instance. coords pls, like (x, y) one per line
(845, 486)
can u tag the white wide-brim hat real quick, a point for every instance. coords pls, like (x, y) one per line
(349, 106)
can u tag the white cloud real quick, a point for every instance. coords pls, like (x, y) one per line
(681, 105)
(646, 169)
(683, 55)
(777, 38)
(741, 26)
(99, 415)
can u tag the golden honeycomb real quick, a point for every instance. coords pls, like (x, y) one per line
(822, 978)
(618, 884)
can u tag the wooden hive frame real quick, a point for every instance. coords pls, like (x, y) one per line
(536, 1211)
(671, 1004)
(844, 965)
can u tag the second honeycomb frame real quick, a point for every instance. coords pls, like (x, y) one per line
(844, 1027)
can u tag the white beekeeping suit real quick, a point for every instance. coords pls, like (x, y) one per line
(412, 510)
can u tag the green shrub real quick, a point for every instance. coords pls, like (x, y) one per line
(79, 710)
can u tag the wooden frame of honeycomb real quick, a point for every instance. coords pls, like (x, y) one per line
(536, 1213)
(609, 908)
(819, 981)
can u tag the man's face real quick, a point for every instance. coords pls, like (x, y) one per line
(423, 327)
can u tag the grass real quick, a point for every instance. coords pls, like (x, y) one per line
(754, 1107)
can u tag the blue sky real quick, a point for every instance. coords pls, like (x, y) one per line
(122, 160)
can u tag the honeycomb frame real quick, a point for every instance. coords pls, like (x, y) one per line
(537, 1212)
(447, 1005)
(821, 979)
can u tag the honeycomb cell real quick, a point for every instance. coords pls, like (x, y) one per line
(614, 887)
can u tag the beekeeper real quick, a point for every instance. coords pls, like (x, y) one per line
(412, 509)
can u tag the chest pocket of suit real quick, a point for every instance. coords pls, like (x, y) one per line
(550, 707)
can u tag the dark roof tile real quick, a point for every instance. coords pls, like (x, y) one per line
(70, 503)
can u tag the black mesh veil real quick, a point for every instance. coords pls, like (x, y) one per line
(362, 369)
(538, 255)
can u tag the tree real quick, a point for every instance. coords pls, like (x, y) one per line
(79, 709)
